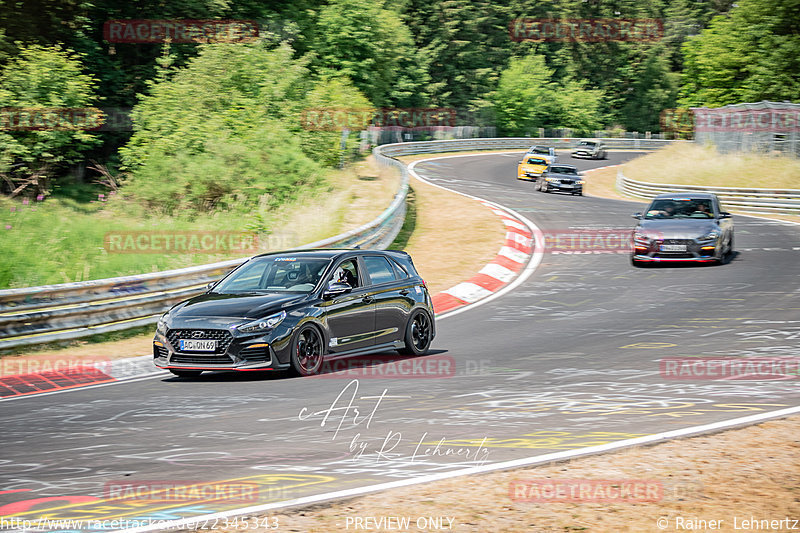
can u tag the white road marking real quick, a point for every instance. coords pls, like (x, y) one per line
(505, 465)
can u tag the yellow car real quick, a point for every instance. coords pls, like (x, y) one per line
(531, 167)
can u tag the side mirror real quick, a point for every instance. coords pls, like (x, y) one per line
(334, 289)
(724, 214)
(637, 216)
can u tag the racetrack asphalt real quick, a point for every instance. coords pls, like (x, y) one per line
(569, 359)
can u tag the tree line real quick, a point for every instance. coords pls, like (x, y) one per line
(216, 123)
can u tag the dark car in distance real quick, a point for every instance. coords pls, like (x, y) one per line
(683, 227)
(292, 310)
(561, 178)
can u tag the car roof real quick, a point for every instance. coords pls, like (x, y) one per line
(330, 253)
(687, 194)
(567, 166)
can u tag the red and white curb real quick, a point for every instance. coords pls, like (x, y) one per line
(516, 260)
(509, 262)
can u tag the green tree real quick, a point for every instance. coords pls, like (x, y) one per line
(47, 82)
(653, 88)
(527, 98)
(578, 107)
(466, 45)
(748, 55)
(225, 131)
(371, 46)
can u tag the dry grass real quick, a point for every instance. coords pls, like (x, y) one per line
(692, 164)
(750, 472)
(352, 197)
(602, 183)
(443, 253)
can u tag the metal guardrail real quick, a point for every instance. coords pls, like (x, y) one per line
(36, 315)
(750, 200)
(514, 143)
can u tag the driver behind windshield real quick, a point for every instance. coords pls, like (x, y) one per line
(662, 209)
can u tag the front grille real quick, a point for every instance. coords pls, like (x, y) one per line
(674, 255)
(222, 336)
(255, 354)
(678, 241)
(200, 359)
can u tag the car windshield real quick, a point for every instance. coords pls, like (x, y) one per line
(586, 143)
(282, 273)
(536, 161)
(680, 208)
(540, 150)
(564, 170)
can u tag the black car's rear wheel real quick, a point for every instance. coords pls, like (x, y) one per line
(419, 334)
(186, 373)
(307, 351)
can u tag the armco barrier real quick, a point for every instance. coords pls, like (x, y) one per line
(750, 200)
(35, 315)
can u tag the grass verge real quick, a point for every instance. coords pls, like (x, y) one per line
(61, 239)
(693, 164)
(667, 166)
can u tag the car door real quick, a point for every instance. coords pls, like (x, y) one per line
(351, 316)
(393, 297)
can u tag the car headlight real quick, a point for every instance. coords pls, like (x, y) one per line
(710, 236)
(580, 182)
(263, 324)
(161, 326)
(641, 237)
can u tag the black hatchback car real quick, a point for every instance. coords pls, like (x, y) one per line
(291, 310)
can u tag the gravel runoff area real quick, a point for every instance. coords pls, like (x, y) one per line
(737, 480)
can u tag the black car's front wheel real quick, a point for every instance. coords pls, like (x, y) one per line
(307, 351)
(419, 334)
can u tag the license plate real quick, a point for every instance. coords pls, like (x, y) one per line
(192, 345)
(567, 185)
(673, 247)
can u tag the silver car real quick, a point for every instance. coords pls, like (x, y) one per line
(546, 152)
(591, 148)
(683, 227)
